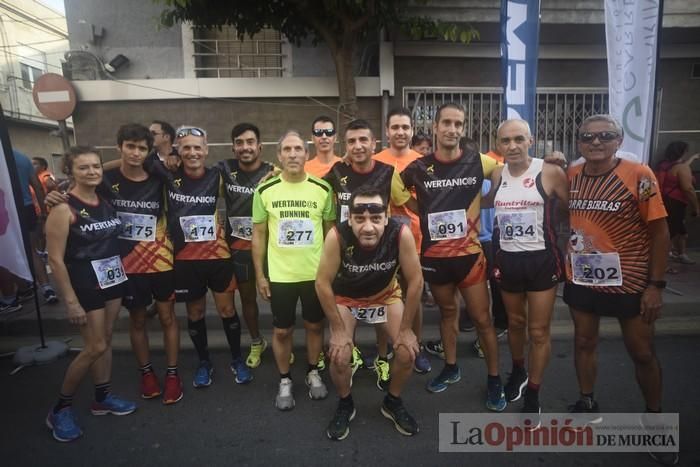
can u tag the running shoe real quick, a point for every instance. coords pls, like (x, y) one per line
(444, 379)
(173, 389)
(202, 375)
(496, 397)
(500, 332)
(435, 348)
(112, 405)
(149, 386)
(63, 425)
(285, 398)
(8, 308)
(650, 426)
(517, 381)
(256, 350)
(317, 389)
(477, 348)
(339, 427)
(292, 359)
(685, 259)
(321, 365)
(356, 362)
(422, 363)
(589, 410)
(25, 295)
(50, 296)
(531, 412)
(241, 371)
(381, 369)
(465, 322)
(397, 413)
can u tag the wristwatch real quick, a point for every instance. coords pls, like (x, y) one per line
(657, 284)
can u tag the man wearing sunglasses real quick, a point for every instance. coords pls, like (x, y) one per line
(202, 256)
(616, 257)
(345, 179)
(323, 135)
(357, 281)
(241, 175)
(399, 132)
(291, 214)
(448, 188)
(163, 139)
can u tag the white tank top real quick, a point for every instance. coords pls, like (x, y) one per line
(520, 204)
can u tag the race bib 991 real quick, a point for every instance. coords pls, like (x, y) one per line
(447, 224)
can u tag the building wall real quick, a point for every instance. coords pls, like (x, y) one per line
(34, 141)
(108, 28)
(97, 122)
(31, 35)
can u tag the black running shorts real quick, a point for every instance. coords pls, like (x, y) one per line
(142, 289)
(616, 305)
(284, 298)
(527, 271)
(463, 271)
(194, 277)
(94, 299)
(243, 265)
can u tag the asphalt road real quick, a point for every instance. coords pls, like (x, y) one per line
(229, 424)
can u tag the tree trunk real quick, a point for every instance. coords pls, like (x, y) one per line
(347, 97)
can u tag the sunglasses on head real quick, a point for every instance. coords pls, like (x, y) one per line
(323, 131)
(372, 208)
(603, 136)
(194, 131)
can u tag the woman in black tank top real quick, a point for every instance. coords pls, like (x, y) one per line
(84, 256)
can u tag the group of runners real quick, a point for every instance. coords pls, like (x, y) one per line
(354, 239)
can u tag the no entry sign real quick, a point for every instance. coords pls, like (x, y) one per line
(54, 96)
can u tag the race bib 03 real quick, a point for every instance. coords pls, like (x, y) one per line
(109, 271)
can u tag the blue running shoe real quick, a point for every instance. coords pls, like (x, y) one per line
(114, 405)
(63, 425)
(241, 371)
(496, 397)
(422, 363)
(202, 376)
(444, 379)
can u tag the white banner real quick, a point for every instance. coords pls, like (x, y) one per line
(12, 256)
(631, 36)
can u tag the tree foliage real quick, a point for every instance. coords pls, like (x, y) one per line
(340, 24)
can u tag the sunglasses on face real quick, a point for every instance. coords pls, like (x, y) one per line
(194, 131)
(603, 136)
(372, 208)
(323, 131)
